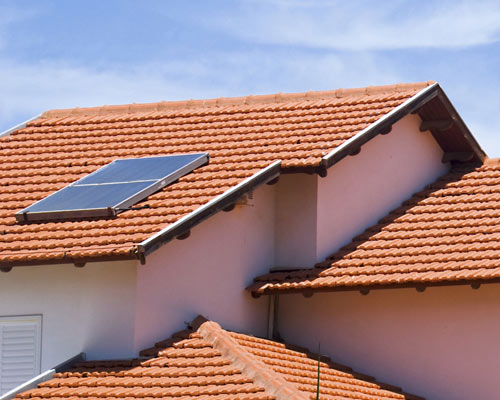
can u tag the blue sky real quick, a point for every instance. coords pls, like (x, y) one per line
(61, 54)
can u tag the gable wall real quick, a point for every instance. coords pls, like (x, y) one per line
(388, 332)
(361, 189)
(87, 309)
(207, 273)
(316, 216)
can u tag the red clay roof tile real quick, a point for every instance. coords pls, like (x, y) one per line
(207, 362)
(446, 234)
(242, 136)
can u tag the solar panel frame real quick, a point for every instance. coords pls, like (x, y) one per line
(25, 215)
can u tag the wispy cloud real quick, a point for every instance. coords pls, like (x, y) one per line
(35, 87)
(364, 25)
(200, 58)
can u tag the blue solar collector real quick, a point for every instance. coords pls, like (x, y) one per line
(113, 188)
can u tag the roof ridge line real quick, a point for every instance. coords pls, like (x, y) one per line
(249, 365)
(232, 101)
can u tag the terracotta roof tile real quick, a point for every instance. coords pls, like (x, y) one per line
(242, 136)
(207, 362)
(448, 233)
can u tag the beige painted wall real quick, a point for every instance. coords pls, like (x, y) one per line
(441, 344)
(316, 216)
(296, 221)
(113, 310)
(207, 274)
(361, 189)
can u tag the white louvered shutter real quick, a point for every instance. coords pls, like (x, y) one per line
(20, 340)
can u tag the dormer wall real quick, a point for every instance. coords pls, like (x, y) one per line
(362, 189)
(316, 216)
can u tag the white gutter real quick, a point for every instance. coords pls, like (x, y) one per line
(17, 127)
(44, 376)
(31, 384)
(265, 175)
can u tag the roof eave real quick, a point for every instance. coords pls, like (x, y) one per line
(416, 104)
(22, 125)
(79, 262)
(225, 200)
(365, 289)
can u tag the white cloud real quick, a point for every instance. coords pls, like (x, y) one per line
(33, 88)
(365, 25)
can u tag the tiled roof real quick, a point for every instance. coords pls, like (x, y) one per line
(448, 233)
(242, 136)
(209, 363)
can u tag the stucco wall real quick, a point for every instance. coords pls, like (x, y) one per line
(87, 309)
(207, 273)
(316, 216)
(441, 344)
(113, 310)
(296, 221)
(361, 189)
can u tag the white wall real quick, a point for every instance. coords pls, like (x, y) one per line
(441, 344)
(207, 274)
(87, 309)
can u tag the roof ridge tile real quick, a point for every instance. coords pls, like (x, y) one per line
(233, 101)
(249, 364)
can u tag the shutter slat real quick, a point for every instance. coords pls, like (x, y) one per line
(19, 351)
(17, 335)
(13, 374)
(20, 341)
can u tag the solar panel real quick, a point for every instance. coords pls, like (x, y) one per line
(113, 188)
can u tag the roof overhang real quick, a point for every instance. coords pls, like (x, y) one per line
(256, 289)
(177, 229)
(221, 202)
(22, 125)
(432, 105)
(438, 116)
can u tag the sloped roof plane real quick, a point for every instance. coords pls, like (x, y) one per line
(447, 234)
(206, 362)
(250, 141)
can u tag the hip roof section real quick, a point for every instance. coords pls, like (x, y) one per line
(208, 362)
(447, 234)
(243, 136)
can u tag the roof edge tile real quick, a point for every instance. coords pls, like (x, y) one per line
(249, 365)
(491, 161)
(233, 101)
